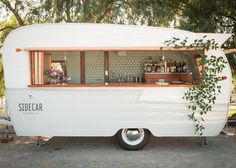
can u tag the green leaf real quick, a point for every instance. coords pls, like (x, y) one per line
(200, 98)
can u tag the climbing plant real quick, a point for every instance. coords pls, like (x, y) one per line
(200, 98)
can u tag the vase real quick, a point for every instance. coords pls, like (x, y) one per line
(53, 81)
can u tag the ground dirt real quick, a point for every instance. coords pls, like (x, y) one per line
(105, 153)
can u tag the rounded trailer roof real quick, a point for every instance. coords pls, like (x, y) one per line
(79, 36)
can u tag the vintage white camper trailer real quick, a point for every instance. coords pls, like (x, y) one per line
(123, 80)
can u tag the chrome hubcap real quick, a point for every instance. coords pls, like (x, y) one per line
(133, 136)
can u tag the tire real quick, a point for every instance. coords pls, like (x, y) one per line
(133, 138)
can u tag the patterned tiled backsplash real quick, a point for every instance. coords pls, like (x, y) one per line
(94, 67)
(122, 67)
(130, 64)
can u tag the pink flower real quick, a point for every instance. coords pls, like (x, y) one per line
(223, 77)
(54, 73)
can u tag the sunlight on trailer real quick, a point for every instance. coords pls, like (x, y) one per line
(106, 80)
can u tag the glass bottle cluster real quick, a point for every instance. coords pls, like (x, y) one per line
(164, 65)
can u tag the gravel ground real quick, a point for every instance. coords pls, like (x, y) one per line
(105, 153)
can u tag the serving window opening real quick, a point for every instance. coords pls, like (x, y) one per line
(114, 68)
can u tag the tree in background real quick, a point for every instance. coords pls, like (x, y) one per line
(212, 16)
(209, 16)
(7, 27)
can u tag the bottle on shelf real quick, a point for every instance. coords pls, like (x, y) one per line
(173, 68)
(154, 67)
(150, 64)
(165, 65)
(145, 65)
(158, 67)
(185, 68)
(169, 65)
(177, 67)
(160, 64)
(180, 67)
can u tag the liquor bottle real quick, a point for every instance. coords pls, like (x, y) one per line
(150, 64)
(145, 65)
(185, 69)
(180, 67)
(154, 67)
(173, 67)
(158, 67)
(169, 65)
(165, 65)
(149, 68)
(177, 67)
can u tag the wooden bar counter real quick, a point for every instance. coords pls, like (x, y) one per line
(110, 85)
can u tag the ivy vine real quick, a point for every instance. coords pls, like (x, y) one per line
(200, 98)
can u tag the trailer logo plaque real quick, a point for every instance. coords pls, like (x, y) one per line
(30, 107)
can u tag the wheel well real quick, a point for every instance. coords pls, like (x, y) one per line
(134, 128)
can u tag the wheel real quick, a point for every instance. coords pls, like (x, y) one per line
(133, 138)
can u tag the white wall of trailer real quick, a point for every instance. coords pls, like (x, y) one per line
(101, 111)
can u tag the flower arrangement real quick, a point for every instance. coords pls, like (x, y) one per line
(56, 76)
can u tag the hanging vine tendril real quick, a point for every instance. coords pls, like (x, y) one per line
(200, 98)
